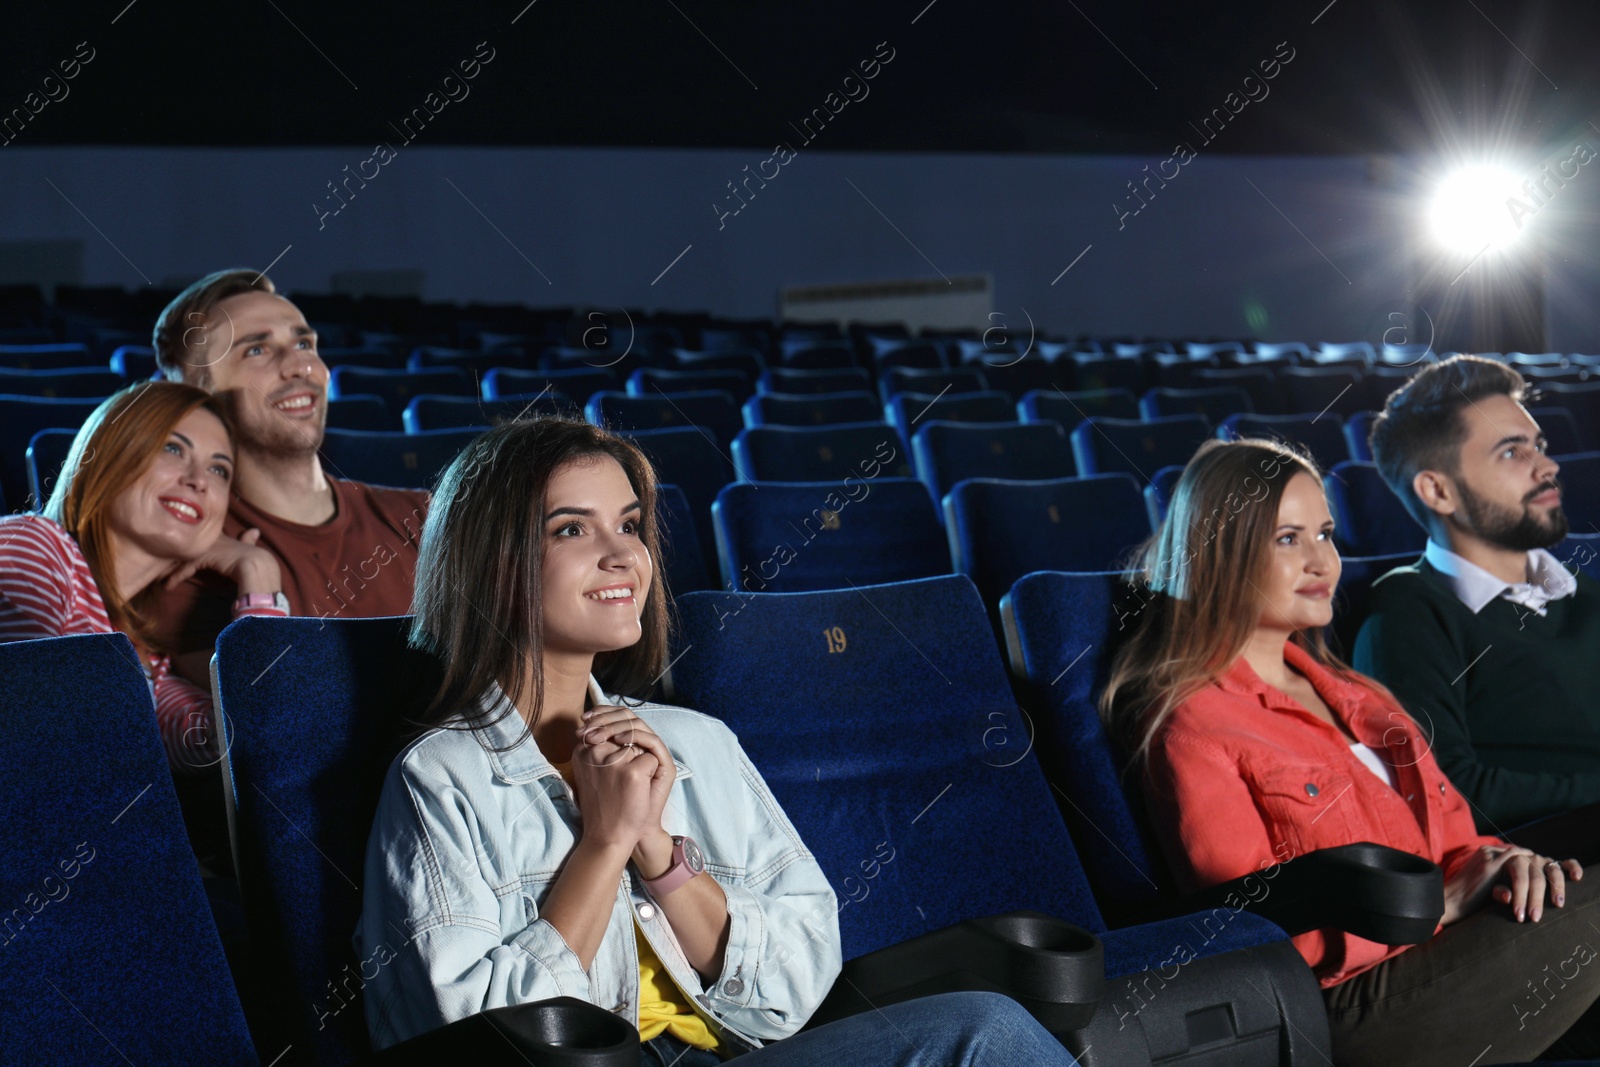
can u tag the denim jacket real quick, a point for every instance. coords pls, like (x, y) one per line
(467, 842)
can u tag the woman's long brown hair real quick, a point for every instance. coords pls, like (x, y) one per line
(113, 449)
(479, 589)
(1202, 572)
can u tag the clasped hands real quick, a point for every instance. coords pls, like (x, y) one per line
(622, 774)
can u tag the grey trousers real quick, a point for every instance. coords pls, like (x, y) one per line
(1487, 989)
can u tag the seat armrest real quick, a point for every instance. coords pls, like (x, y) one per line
(560, 1032)
(1052, 968)
(1375, 892)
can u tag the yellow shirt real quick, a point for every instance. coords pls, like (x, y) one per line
(662, 1005)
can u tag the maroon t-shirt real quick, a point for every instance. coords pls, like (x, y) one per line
(359, 564)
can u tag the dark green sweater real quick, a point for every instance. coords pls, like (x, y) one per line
(1510, 698)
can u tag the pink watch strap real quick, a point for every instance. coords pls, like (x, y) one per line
(678, 874)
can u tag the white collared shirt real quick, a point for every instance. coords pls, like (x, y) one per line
(1475, 587)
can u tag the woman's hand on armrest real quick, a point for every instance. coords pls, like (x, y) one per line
(1511, 875)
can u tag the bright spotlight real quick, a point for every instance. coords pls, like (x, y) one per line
(1469, 212)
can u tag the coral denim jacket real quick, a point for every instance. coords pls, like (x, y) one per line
(1242, 777)
(468, 841)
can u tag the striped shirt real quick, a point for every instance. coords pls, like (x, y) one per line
(47, 590)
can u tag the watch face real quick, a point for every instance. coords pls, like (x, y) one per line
(693, 858)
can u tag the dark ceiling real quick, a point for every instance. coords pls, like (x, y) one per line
(1078, 76)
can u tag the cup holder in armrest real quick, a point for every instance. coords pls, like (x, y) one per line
(1052, 968)
(1373, 891)
(561, 1032)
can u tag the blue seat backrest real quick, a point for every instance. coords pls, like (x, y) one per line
(1158, 494)
(1320, 434)
(932, 382)
(1071, 408)
(429, 412)
(110, 954)
(1058, 630)
(88, 382)
(1368, 519)
(692, 461)
(580, 383)
(711, 411)
(788, 380)
(406, 460)
(397, 387)
(820, 453)
(882, 720)
(47, 454)
(20, 418)
(1001, 530)
(680, 535)
(1580, 497)
(907, 411)
(304, 809)
(1560, 430)
(810, 409)
(1138, 447)
(949, 452)
(787, 537)
(1356, 430)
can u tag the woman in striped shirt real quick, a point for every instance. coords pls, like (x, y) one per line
(140, 501)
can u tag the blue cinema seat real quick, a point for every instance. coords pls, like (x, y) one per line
(790, 380)
(949, 452)
(1001, 529)
(87, 382)
(1357, 429)
(652, 381)
(110, 952)
(397, 387)
(580, 383)
(1334, 389)
(134, 363)
(1215, 403)
(300, 815)
(1560, 429)
(820, 453)
(931, 382)
(426, 412)
(1580, 493)
(46, 356)
(1320, 435)
(47, 454)
(404, 460)
(1158, 494)
(908, 411)
(883, 721)
(1070, 408)
(712, 412)
(1062, 631)
(20, 418)
(1368, 519)
(685, 457)
(680, 542)
(1137, 447)
(360, 413)
(810, 409)
(787, 537)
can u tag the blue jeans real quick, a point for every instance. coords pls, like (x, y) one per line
(949, 1030)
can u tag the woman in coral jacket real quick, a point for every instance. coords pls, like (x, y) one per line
(1254, 744)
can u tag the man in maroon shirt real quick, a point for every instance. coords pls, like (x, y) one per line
(347, 549)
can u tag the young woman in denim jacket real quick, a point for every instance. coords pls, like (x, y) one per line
(550, 837)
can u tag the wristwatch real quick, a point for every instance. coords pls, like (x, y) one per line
(687, 861)
(262, 600)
